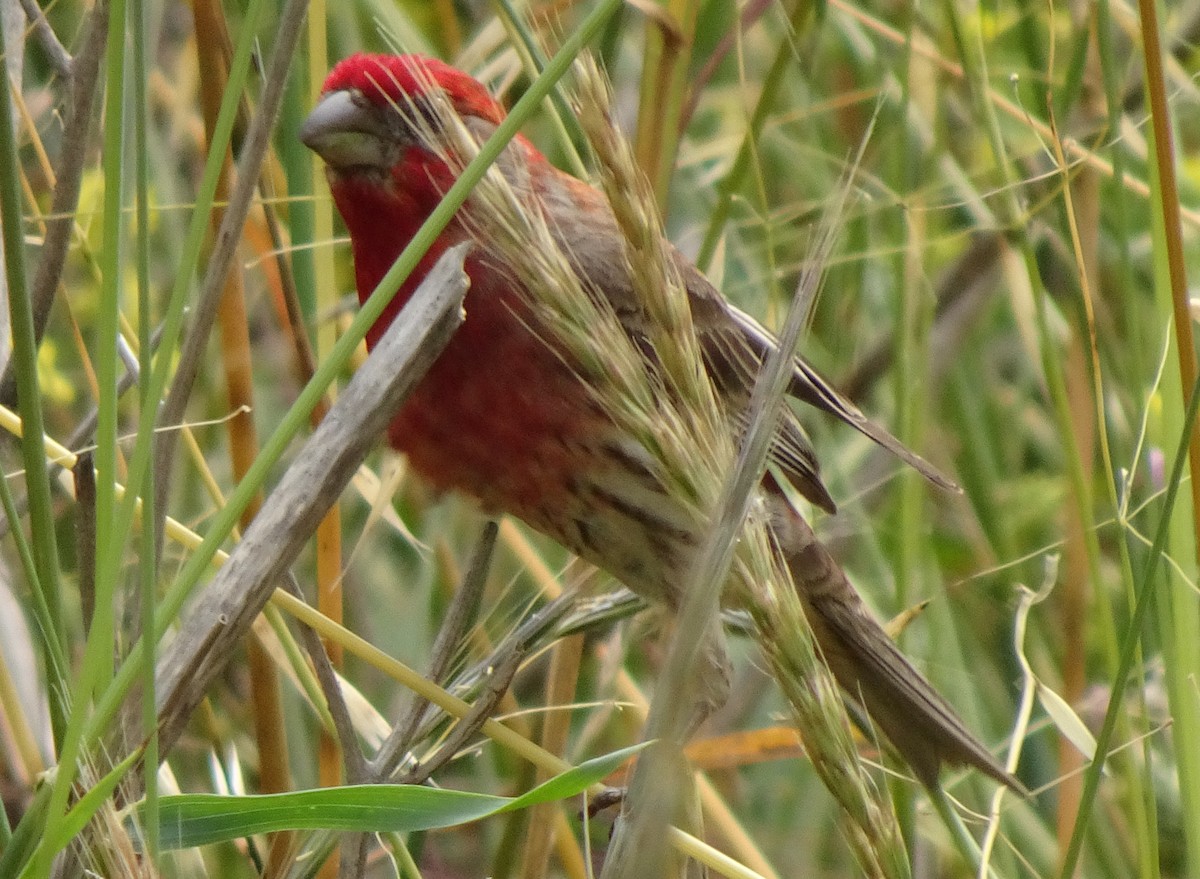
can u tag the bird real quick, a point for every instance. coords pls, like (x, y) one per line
(505, 416)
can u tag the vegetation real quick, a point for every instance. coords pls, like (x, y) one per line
(1011, 194)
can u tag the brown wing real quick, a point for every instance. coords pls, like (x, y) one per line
(732, 364)
(740, 344)
(922, 725)
(734, 345)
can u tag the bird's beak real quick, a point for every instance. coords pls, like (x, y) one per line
(347, 134)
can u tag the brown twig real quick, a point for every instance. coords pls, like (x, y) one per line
(462, 611)
(85, 76)
(85, 535)
(492, 678)
(354, 763)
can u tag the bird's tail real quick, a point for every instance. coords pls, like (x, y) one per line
(920, 724)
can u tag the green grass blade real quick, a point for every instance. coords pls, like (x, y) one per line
(201, 819)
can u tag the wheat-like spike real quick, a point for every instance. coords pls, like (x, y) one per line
(655, 274)
(677, 429)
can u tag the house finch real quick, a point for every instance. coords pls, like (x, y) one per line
(505, 416)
